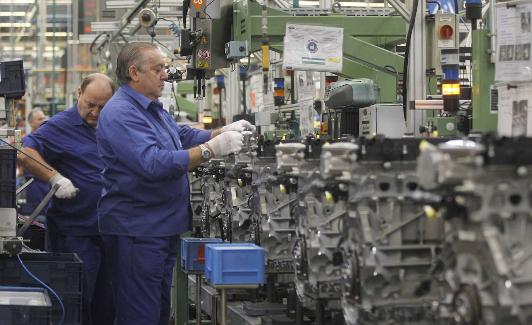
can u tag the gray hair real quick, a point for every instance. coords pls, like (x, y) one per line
(93, 76)
(131, 54)
(32, 112)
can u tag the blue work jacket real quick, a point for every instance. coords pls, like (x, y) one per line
(145, 177)
(68, 144)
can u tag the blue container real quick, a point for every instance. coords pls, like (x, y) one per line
(193, 253)
(234, 264)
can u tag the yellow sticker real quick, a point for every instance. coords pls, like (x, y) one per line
(203, 64)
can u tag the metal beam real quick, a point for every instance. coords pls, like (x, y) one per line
(400, 8)
(372, 56)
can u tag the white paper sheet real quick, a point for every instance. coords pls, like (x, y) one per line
(514, 36)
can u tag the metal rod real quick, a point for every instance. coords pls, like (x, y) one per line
(198, 299)
(224, 307)
(320, 317)
(299, 312)
(37, 210)
(23, 187)
(214, 311)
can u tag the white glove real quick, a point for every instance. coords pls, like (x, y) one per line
(239, 126)
(226, 143)
(66, 190)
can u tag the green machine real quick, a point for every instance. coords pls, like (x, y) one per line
(368, 44)
(367, 47)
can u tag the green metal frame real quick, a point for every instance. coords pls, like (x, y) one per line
(180, 291)
(367, 40)
(483, 78)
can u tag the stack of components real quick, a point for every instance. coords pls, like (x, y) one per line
(486, 203)
(373, 230)
(392, 245)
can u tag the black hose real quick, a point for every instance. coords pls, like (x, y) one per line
(436, 2)
(186, 5)
(407, 54)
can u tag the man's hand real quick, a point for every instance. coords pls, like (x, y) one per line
(239, 126)
(66, 190)
(226, 143)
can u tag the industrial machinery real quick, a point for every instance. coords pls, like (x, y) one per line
(275, 204)
(392, 252)
(485, 189)
(12, 86)
(344, 102)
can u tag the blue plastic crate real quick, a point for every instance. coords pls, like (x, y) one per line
(193, 253)
(234, 264)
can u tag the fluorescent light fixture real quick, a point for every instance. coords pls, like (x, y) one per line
(13, 14)
(344, 4)
(10, 49)
(17, 2)
(58, 34)
(15, 25)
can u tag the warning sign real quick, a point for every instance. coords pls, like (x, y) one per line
(198, 4)
(203, 65)
(203, 54)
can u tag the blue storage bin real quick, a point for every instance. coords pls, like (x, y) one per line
(193, 253)
(234, 264)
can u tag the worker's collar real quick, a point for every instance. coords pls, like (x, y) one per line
(144, 101)
(76, 118)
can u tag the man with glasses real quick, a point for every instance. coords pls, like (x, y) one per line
(67, 155)
(145, 203)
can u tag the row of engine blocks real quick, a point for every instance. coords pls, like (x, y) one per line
(384, 231)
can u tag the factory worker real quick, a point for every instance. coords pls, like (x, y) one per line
(145, 203)
(67, 144)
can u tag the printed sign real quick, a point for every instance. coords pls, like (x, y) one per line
(313, 48)
(514, 35)
(198, 4)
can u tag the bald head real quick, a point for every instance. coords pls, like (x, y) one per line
(94, 91)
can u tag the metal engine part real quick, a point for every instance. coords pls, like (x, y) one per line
(486, 202)
(320, 224)
(276, 208)
(212, 185)
(389, 274)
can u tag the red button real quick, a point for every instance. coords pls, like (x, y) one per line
(446, 32)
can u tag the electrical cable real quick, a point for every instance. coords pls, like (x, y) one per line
(25, 154)
(186, 5)
(47, 288)
(94, 43)
(407, 54)
(436, 2)
(165, 47)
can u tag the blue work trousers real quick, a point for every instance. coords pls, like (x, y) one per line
(97, 298)
(141, 269)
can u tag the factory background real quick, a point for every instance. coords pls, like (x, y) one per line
(382, 175)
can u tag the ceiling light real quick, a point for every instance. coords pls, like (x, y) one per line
(12, 14)
(58, 34)
(17, 2)
(15, 25)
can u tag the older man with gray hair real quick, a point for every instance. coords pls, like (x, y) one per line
(145, 203)
(36, 117)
